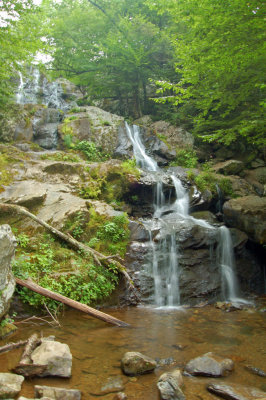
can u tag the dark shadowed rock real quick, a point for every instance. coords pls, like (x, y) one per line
(135, 363)
(138, 231)
(209, 365)
(236, 392)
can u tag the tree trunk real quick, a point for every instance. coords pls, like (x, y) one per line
(72, 303)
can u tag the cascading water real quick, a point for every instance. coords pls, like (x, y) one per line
(20, 92)
(165, 267)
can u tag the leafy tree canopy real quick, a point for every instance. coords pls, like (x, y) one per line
(112, 48)
(220, 57)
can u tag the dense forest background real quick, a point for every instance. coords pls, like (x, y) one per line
(194, 63)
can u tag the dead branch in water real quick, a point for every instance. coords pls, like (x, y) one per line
(10, 346)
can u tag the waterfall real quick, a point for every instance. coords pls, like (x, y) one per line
(142, 159)
(20, 92)
(226, 261)
(164, 260)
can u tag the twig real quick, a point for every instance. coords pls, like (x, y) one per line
(52, 316)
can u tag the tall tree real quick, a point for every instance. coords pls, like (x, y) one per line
(220, 56)
(110, 48)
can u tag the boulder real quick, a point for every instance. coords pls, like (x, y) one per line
(28, 193)
(241, 187)
(169, 385)
(135, 363)
(138, 232)
(174, 135)
(56, 356)
(56, 393)
(10, 385)
(93, 124)
(42, 398)
(236, 392)
(120, 396)
(209, 365)
(247, 214)
(7, 281)
(229, 167)
(257, 178)
(112, 384)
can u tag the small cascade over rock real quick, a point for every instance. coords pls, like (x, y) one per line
(35, 88)
(48, 103)
(170, 229)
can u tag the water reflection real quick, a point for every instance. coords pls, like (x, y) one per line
(180, 334)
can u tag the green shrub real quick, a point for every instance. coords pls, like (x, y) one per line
(68, 140)
(90, 150)
(185, 158)
(83, 281)
(68, 157)
(109, 235)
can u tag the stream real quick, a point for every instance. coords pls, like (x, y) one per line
(180, 334)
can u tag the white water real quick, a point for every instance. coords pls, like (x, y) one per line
(165, 254)
(19, 95)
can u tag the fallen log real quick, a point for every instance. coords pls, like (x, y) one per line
(99, 258)
(71, 303)
(31, 345)
(10, 346)
(29, 370)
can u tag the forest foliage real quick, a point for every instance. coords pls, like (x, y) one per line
(196, 63)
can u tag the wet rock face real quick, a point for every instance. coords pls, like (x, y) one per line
(247, 214)
(7, 281)
(134, 363)
(45, 124)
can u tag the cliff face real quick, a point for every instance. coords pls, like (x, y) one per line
(73, 194)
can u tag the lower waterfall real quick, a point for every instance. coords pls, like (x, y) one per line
(163, 259)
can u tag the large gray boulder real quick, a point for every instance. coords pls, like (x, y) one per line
(169, 385)
(56, 356)
(7, 281)
(209, 365)
(135, 363)
(247, 214)
(229, 167)
(10, 385)
(93, 124)
(236, 392)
